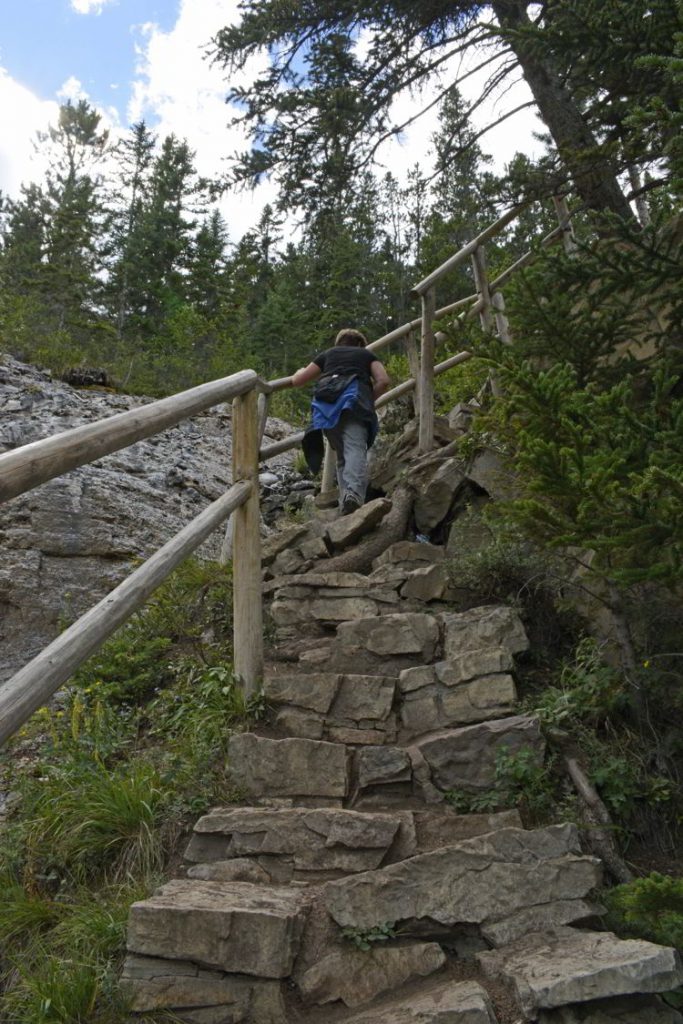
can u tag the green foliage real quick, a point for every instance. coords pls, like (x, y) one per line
(596, 437)
(113, 777)
(649, 908)
(521, 780)
(588, 690)
(364, 938)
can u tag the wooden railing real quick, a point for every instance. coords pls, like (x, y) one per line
(33, 464)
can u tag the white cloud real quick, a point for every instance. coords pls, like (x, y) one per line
(89, 6)
(72, 90)
(22, 114)
(179, 91)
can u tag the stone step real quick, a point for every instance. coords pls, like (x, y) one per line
(463, 1002)
(311, 772)
(199, 995)
(404, 639)
(564, 966)
(374, 709)
(353, 709)
(620, 1010)
(227, 926)
(356, 977)
(280, 845)
(491, 881)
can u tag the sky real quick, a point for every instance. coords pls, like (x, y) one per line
(135, 59)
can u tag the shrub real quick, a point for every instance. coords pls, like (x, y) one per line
(651, 908)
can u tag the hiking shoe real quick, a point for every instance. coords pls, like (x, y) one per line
(351, 503)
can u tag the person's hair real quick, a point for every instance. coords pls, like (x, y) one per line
(349, 336)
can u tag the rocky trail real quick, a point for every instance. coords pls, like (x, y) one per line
(346, 887)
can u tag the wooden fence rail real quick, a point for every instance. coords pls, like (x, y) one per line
(32, 686)
(35, 463)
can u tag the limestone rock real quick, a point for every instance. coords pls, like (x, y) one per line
(471, 664)
(436, 829)
(563, 966)
(291, 767)
(315, 691)
(438, 487)
(324, 609)
(486, 878)
(302, 724)
(410, 554)
(425, 584)
(466, 758)
(383, 765)
(346, 530)
(302, 839)
(540, 918)
(177, 985)
(463, 1002)
(356, 976)
(234, 926)
(401, 633)
(493, 475)
(438, 707)
(280, 541)
(479, 628)
(242, 869)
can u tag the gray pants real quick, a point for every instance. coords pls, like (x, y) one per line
(349, 440)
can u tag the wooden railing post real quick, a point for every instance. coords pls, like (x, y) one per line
(226, 547)
(482, 282)
(413, 355)
(426, 388)
(246, 559)
(563, 217)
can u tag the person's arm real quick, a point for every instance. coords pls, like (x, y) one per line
(380, 378)
(305, 375)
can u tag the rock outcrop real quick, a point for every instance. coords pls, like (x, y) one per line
(72, 540)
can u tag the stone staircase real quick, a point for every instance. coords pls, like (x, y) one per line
(346, 888)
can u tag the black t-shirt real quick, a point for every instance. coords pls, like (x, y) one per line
(347, 359)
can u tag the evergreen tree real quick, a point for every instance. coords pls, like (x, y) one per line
(407, 44)
(130, 199)
(76, 146)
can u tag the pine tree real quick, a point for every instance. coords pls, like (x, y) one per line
(76, 147)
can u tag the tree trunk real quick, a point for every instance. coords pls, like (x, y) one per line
(593, 175)
(392, 528)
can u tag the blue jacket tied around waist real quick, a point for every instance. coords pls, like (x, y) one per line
(356, 396)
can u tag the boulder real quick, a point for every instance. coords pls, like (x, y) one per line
(435, 829)
(233, 926)
(425, 584)
(481, 628)
(302, 839)
(346, 530)
(288, 768)
(438, 485)
(383, 765)
(394, 634)
(356, 976)
(176, 985)
(286, 612)
(281, 540)
(406, 553)
(493, 475)
(466, 758)
(459, 1002)
(478, 880)
(563, 966)
(242, 869)
(315, 691)
(471, 664)
(438, 707)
